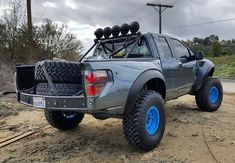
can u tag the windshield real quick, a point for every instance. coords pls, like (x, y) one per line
(120, 48)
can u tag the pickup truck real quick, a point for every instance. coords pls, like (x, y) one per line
(126, 75)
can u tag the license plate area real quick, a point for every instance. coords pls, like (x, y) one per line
(39, 102)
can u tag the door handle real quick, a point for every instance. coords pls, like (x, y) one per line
(181, 66)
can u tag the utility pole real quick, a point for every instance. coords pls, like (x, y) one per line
(30, 25)
(160, 8)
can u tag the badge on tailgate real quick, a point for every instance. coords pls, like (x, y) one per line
(39, 102)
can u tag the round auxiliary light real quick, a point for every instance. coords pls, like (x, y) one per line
(116, 30)
(134, 27)
(107, 32)
(125, 29)
(99, 33)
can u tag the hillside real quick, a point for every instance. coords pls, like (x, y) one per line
(225, 66)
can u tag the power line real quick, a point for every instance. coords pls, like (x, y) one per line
(42, 15)
(140, 15)
(139, 11)
(44, 12)
(135, 12)
(190, 25)
(205, 23)
(181, 2)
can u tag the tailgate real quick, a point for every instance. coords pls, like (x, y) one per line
(24, 77)
(25, 88)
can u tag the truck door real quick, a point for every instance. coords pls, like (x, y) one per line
(169, 66)
(185, 77)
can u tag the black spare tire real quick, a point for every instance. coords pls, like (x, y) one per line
(61, 89)
(58, 71)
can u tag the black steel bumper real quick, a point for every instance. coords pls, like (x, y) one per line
(70, 103)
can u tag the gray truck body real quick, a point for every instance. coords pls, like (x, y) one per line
(172, 78)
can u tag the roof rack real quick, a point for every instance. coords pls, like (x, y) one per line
(117, 32)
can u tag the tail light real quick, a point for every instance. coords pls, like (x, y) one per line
(95, 82)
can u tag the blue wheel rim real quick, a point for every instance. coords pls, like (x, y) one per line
(152, 120)
(214, 95)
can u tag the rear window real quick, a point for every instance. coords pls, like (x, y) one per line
(106, 49)
(140, 51)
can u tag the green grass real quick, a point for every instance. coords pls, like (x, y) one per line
(224, 66)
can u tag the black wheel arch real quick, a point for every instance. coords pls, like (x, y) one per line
(205, 69)
(147, 78)
(211, 72)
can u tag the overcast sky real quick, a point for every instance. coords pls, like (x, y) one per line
(84, 16)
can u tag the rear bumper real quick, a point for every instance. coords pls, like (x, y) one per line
(25, 89)
(70, 103)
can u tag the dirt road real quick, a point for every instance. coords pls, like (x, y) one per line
(187, 135)
(228, 85)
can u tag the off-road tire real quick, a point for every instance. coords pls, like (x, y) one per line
(134, 123)
(57, 120)
(58, 71)
(61, 89)
(203, 96)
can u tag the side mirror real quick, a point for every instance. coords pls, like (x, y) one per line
(198, 55)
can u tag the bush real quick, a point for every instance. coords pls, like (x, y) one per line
(216, 49)
(6, 78)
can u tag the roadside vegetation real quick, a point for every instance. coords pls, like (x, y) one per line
(221, 52)
(212, 46)
(224, 66)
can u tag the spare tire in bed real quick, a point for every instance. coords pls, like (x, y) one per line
(58, 71)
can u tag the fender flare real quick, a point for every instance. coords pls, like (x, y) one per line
(203, 72)
(138, 84)
(209, 71)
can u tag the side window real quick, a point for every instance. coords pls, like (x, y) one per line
(179, 49)
(163, 48)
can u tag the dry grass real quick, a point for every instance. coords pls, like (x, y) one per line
(6, 78)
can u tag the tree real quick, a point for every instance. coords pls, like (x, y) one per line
(213, 38)
(57, 42)
(11, 20)
(2, 41)
(216, 49)
(197, 40)
(207, 41)
(49, 39)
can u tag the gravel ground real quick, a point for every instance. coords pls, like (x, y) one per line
(228, 85)
(188, 132)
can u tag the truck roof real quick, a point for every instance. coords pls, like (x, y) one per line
(161, 35)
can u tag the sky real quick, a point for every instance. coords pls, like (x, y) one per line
(83, 17)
